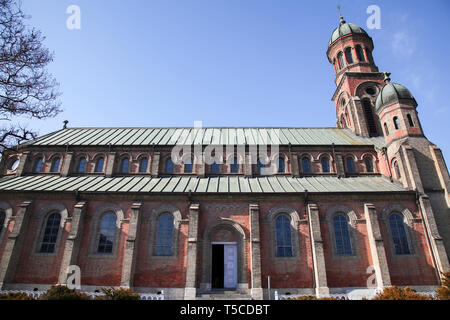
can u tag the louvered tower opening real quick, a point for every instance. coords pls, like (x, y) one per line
(370, 118)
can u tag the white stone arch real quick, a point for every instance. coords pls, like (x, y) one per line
(154, 217)
(352, 219)
(294, 218)
(7, 209)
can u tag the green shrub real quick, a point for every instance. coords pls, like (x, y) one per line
(118, 294)
(396, 293)
(443, 293)
(63, 293)
(16, 296)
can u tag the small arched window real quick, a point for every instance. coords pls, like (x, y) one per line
(81, 165)
(55, 164)
(283, 236)
(169, 166)
(410, 120)
(107, 233)
(399, 236)
(48, 242)
(143, 165)
(359, 53)
(260, 166)
(348, 55)
(386, 130)
(214, 168)
(369, 164)
(164, 237)
(325, 162)
(350, 165)
(281, 165)
(38, 165)
(2, 220)
(234, 166)
(124, 164)
(306, 165)
(188, 164)
(396, 123)
(340, 57)
(342, 235)
(397, 170)
(99, 164)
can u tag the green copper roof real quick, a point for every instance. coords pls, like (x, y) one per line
(392, 92)
(177, 184)
(344, 29)
(204, 136)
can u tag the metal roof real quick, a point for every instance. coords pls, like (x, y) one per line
(203, 136)
(179, 184)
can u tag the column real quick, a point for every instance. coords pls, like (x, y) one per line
(129, 257)
(11, 255)
(190, 290)
(73, 242)
(377, 247)
(255, 249)
(320, 274)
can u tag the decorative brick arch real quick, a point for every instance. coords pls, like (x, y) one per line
(239, 234)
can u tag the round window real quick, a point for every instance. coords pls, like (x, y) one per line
(14, 164)
(371, 91)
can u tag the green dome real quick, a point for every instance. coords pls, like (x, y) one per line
(344, 29)
(392, 92)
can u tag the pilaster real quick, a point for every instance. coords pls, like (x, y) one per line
(255, 249)
(190, 290)
(154, 166)
(110, 164)
(129, 257)
(22, 164)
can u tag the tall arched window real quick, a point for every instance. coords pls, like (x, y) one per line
(410, 120)
(281, 165)
(234, 166)
(325, 162)
(169, 166)
(342, 235)
(38, 165)
(164, 237)
(283, 236)
(81, 165)
(386, 130)
(359, 53)
(124, 164)
(107, 233)
(48, 242)
(340, 57)
(369, 117)
(396, 123)
(399, 236)
(348, 55)
(55, 164)
(143, 164)
(2, 220)
(350, 165)
(188, 164)
(397, 170)
(369, 164)
(306, 165)
(99, 164)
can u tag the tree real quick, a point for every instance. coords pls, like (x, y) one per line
(443, 293)
(27, 90)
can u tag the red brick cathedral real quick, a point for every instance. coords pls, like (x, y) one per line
(334, 210)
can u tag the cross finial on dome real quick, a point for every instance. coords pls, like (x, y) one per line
(341, 18)
(386, 77)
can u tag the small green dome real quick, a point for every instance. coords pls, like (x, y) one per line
(344, 29)
(392, 92)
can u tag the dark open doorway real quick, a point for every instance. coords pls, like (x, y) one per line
(217, 266)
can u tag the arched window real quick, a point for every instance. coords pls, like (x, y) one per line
(214, 169)
(107, 233)
(348, 55)
(143, 164)
(55, 164)
(399, 234)
(325, 161)
(340, 57)
(99, 164)
(281, 166)
(369, 117)
(342, 235)
(188, 164)
(283, 236)
(2, 220)
(386, 130)
(169, 166)
(396, 123)
(260, 166)
(164, 238)
(369, 164)
(397, 170)
(234, 166)
(81, 165)
(410, 120)
(124, 164)
(306, 165)
(359, 53)
(13, 164)
(350, 165)
(50, 233)
(38, 165)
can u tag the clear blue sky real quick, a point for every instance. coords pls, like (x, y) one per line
(233, 62)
